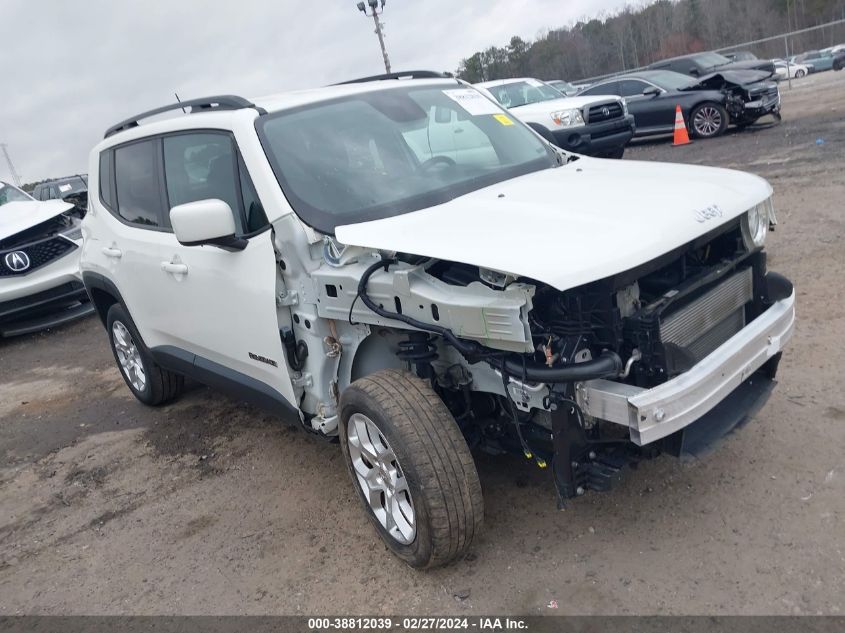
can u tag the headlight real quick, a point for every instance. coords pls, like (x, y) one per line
(568, 118)
(755, 224)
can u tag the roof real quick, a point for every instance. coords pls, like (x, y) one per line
(295, 98)
(215, 106)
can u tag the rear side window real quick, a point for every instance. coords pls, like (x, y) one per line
(609, 88)
(206, 165)
(106, 179)
(631, 87)
(137, 184)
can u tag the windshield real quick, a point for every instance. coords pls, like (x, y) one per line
(383, 153)
(8, 193)
(711, 60)
(520, 93)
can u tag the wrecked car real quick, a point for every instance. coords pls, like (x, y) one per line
(311, 253)
(40, 283)
(709, 104)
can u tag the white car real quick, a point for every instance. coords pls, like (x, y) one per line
(791, 70)
(40, 282)
(312, 253)
(595, 126)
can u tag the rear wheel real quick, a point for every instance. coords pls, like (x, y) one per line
(708, 120)
(800, 73)
(411, 467)
(148, 382)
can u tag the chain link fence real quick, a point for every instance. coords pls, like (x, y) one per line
(782, 46)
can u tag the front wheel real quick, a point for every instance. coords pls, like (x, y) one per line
(411, 467)
(708, 120)
(799, 73)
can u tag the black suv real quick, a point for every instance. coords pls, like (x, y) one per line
(700, 64)
(73, 189)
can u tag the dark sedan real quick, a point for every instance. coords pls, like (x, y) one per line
(701, 64)
(709, 104)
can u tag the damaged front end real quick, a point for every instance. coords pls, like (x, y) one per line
(590, 379)
(749, 94)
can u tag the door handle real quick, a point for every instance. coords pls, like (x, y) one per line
(174, 269)
(114, 253)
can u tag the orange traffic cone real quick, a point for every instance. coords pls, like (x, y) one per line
(681, 136)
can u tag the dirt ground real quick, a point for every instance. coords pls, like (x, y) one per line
(211, 507)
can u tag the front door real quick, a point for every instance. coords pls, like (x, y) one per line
(217, 304)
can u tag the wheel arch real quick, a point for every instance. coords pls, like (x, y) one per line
(103, 294)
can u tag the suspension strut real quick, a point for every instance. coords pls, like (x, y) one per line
(419, 350)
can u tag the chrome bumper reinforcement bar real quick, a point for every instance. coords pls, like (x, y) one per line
(652, 414)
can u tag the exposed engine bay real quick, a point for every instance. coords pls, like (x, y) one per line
(510, 356)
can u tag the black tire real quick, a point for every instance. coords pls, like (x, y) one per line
(160, 385)
(799, 73)
(433, 457)
(712, 125)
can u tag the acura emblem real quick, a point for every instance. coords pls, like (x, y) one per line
(17, 261)
(605, 111)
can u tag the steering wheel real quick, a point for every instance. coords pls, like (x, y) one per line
(435, 160)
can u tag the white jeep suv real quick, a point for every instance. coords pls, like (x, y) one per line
(313, 253)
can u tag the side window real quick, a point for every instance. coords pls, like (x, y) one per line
(205, 165)
(609, 88)
(631, 88)
(255, 219)
(137, 183)
(106, 179)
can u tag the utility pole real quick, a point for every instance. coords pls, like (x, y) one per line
(374, 13)
(12, 171)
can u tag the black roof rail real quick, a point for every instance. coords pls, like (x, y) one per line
(220, 102)
(407, 74)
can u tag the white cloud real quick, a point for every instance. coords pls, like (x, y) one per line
(71, 69)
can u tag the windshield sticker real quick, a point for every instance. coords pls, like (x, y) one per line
(503, 119)
(64, 188)
(472, 101)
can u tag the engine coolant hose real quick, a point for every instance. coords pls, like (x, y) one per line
(607, 365)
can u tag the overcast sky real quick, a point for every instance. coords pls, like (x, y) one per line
(69, 69)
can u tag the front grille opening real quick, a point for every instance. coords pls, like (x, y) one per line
(39, 254)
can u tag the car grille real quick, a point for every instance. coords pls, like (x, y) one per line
(701, 326)
(39, 253)
(605, 112)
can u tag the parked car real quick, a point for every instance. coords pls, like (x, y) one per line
(73, 189)
(306, 252)
(820, 60)
(787, 70)
(709, 104)
(741, 56)
(595, 126)
(566, 88)
(701, 64)
(40, 282)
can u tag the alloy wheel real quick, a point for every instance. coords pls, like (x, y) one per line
(707, 121)
(128, 356)
(381, 479)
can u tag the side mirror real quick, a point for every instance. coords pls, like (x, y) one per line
(206, 222)
(651, 91)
